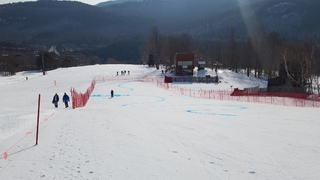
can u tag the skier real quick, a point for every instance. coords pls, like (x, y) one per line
(66, 99)
(111, 93)
(55, 100)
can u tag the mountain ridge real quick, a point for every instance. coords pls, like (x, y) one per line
(69, 24)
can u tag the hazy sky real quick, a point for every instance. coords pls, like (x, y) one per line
(92, 2)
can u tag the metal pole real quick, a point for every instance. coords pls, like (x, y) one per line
(37, 134)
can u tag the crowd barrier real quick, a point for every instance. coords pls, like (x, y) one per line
(225, 95)
(256, 92)
(81, 99)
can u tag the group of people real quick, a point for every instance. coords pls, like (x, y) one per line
(65, 99)
(123, 72)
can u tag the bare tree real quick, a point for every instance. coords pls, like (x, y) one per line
(298, 64)
(312, 49)
(274, 59)
(170, 45)
(154, 44)
(233, 50)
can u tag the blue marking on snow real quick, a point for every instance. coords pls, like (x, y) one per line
(209, 112)
(104, 95)
(99, 95)
(122, 86)
(119, 95)
(214, 110)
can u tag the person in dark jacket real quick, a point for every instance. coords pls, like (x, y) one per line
(55, 100)
(65, 99)
(111, 93)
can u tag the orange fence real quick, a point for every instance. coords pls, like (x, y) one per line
(237, 92)
(79, 99)
(226, 95)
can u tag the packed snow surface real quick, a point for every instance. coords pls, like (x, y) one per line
(147, 132)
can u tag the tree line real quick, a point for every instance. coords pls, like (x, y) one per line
(13, 61)
(261, 53)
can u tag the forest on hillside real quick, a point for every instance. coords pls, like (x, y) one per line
(262, 53)
(258, 36)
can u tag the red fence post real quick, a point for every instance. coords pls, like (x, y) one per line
(38, 118)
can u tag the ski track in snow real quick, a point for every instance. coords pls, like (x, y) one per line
(212, 111)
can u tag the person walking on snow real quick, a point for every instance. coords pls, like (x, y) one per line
(111, 93)
(65, 99)
(55, 100)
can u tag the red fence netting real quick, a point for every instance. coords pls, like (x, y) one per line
(286, 99)
(81, 99)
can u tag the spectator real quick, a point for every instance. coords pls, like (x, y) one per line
(55, 100)
(66, 99)
(111, 93)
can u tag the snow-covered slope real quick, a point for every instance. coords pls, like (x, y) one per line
(146, 132)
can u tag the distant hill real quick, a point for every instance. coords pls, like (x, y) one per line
(117, 29)
(58, 22)
(112, 2)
